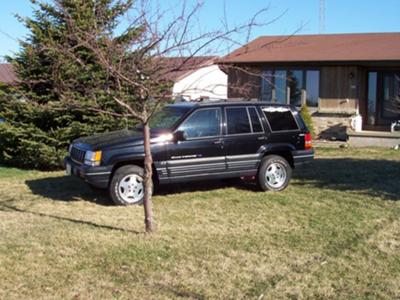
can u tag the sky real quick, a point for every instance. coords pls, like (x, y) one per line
(300, 16)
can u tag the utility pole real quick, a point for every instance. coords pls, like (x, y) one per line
(321, 16)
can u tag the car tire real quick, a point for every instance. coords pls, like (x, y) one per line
(127, 186)
(274, 173)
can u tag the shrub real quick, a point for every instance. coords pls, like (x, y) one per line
(38, 137)
(306, 115)
(38, 126)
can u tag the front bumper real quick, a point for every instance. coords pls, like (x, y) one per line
(303, 156)
(96, 176)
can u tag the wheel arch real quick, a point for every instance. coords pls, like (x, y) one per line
(283, 150)
(134, 162)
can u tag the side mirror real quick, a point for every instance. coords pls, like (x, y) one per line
(179, 135)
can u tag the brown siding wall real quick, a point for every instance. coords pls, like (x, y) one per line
(339, 89)
(244, 83)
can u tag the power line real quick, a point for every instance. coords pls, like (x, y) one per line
(8, 35)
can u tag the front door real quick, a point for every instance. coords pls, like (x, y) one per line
(201, 154)
(383, 99)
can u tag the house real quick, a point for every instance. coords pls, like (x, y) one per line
(338, 76)
(200, 78)
(7, 75)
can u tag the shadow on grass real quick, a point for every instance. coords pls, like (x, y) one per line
(67, 188)
(7, 207)
(378, 178)
(181, 293)
(372, 177)
(206, 185)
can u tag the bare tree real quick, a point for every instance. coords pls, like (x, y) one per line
(134, 60)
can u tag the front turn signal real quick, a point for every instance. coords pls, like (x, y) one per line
(93, 158)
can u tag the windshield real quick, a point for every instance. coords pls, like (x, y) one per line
(167, 117)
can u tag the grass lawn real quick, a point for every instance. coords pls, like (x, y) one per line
(334, 233)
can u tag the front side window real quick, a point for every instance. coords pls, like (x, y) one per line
(237, 120)
(280, 118)
(202, 123)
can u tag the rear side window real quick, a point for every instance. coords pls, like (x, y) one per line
(237, 120)
(255, 120)
(280, 118)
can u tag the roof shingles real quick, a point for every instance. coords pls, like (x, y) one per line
(326, 47)
(7, 74)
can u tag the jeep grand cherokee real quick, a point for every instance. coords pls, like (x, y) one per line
(197, 141)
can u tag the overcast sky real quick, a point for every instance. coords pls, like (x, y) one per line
(341, 16)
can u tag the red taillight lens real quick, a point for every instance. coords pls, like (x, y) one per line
(307, 141)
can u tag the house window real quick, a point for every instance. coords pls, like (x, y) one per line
(312, 87)
(267, 85)
(391, 95)
(295, 83)
(372, 92)
(276, 84)
(280, 86)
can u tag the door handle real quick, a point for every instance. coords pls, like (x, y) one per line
(262, 138)
(218, 142)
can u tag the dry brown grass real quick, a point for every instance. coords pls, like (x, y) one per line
(334, 233)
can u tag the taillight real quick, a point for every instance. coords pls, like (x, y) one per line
(307, 141)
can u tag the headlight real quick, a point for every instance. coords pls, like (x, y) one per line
(163, 138)
(69, 148)
(93, 158)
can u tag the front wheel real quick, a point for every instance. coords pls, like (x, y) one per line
(274, 173)
(127, 185)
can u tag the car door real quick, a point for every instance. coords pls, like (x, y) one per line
(243, 138)
(201, 153)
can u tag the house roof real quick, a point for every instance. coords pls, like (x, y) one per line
(193, 64)
(7, 74)
(318, 48)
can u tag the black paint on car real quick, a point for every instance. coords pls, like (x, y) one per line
(197, 141)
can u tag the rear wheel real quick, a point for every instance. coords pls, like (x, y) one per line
(127, 185)
(274, 173)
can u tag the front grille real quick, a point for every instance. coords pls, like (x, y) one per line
(77, 155)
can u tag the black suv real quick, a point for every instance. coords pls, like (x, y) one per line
(197, 141)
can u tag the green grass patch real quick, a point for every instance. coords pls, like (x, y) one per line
(333, 233)
(6, 172)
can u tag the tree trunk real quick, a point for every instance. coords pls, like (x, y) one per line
(148, 185)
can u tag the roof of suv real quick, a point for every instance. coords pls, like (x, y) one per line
(190, 104)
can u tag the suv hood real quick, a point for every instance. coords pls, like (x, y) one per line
(114, 138)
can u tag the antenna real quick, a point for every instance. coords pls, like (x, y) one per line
(321, 16)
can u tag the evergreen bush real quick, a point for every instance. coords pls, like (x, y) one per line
(37, 127)
(306, 115)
